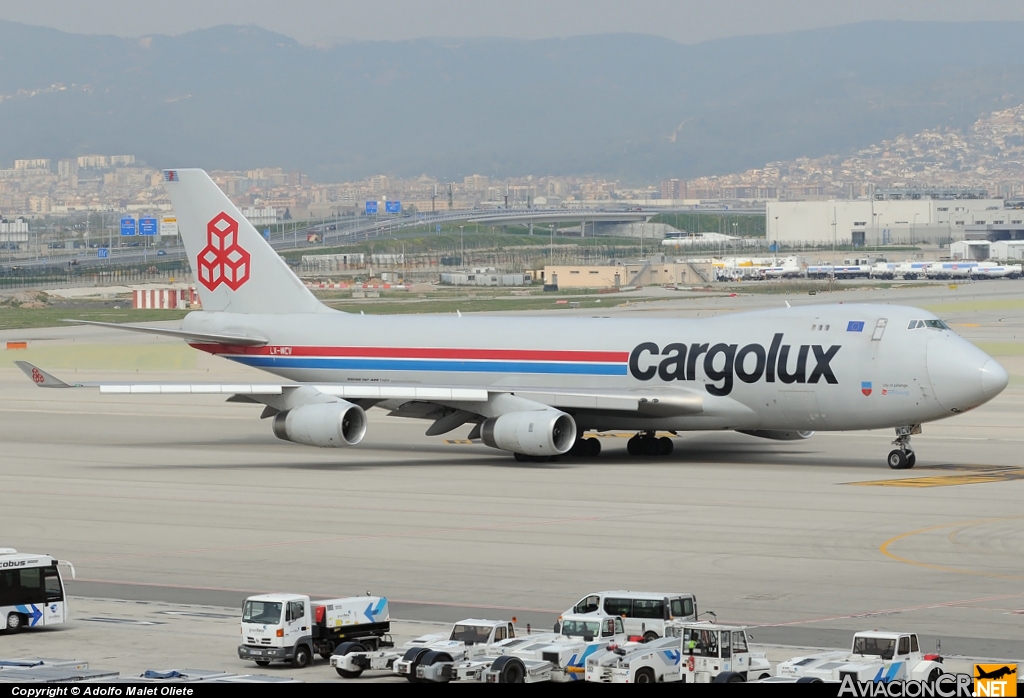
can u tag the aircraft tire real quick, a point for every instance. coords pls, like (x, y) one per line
(652, 447)
(593, 447)
(897, 459)
(911, 459)
(521, 457)
(665, 446)
(633, 446)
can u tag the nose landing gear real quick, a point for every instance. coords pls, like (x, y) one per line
(902, 457)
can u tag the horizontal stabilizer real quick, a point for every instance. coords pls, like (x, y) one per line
(202, 337)
(40, 377)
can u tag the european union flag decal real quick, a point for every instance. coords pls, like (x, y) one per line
(855, 326)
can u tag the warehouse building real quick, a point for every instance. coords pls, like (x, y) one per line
(913, 218)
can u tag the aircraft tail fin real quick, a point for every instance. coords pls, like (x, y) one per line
(236, 270)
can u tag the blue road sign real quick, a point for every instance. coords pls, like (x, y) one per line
(128, 225)
(148, 225)
(266, 233)
(371, 207)
(102, 253)
(392, 206)
(438, 227)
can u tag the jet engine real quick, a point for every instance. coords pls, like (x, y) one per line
(779, 434)
(534, 433)
(328, 425)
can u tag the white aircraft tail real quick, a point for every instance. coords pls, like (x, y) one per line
(236, 270)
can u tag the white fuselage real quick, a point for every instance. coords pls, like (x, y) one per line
(828, 367)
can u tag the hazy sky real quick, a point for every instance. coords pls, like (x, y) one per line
(311, 21)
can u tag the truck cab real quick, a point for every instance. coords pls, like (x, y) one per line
(276, 627)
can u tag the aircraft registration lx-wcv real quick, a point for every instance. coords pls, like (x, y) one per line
(532, 386)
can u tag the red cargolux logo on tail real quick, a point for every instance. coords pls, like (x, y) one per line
(223, 261)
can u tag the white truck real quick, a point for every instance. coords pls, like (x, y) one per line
(691, 653)
(290, 627)
(427, 658)
(876, 656)
(559, 657)
(986, 270)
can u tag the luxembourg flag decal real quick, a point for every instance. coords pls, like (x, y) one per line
(865, 387)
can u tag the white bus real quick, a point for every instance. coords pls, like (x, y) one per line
(31, 590)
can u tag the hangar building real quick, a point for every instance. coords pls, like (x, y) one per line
(885, 220)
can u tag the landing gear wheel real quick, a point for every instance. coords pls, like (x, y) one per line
(521, 457)
(911, 459)
(665, 446)
(593, 447)
(897, 459)
(652, 447)
(634, 446)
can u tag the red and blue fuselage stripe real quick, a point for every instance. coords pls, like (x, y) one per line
(570, 362)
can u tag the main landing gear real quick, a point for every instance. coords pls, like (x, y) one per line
(646, 443)
(902, 457)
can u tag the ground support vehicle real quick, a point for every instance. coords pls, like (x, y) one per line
(291, 628)
(644, 613)
(713, 653)
(876, 656)
(553, 657)
(657, 661)
(996, 271)
(434, 654)
(912, 270)
(699, 652)
(31, 590)
(950, 270)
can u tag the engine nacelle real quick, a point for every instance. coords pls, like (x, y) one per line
(779, 434)
(328, 424)
(539, 433)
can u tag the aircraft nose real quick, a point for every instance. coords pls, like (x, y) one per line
(994, 378)
(962, 375)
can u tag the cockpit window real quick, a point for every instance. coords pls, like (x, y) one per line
(933, 324)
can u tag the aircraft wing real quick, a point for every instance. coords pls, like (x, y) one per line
(650, 402)
(203, 337)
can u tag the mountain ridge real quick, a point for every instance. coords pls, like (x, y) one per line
(619, 105)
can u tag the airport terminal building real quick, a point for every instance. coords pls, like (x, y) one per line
(922, 217)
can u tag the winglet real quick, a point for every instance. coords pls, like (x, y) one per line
(40, 377)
